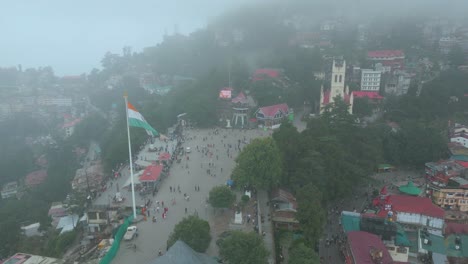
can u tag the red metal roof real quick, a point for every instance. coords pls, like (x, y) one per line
(280, 194)
(164, 156)
(455, 228)
(71, 123)
(412, 204)
(260, 74)
(363, 243)
(463, 163)
(240, 98)
(385, 53)
(368, 94)
(151, 173)
(270, 111)
(35, 177)
(284, 216)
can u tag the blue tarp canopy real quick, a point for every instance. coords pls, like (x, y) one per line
(230, 182)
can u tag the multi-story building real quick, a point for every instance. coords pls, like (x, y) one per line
(447, 43)
(98, 218)
(439, 173)
(370, 80)
(389, 60)
(69, 127)
(459, 133)
(454, 196)
(5, 111)
(54, 101)
(412, 212)
(23, 258)
(460, 138)
(9, 190)
(272, 116)
(398, 83)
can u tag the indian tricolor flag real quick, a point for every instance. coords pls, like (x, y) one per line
(135, 119)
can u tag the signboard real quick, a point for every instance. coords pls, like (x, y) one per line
(225, 94)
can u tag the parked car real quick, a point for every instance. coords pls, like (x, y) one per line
(188, 150)
(131, 233)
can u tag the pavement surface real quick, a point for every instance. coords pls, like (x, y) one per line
(189, 173)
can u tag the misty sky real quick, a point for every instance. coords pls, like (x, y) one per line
(72, 36)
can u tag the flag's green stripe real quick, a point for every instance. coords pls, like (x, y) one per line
(139, 123)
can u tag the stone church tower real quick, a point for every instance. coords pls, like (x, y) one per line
(337, 87)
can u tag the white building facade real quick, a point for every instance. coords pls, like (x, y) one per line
(433, 223)
(54, 101)
(370, 80)
(460, 139)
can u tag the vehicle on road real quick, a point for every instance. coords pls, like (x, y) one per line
(152, 148)
(131, 233)
(188, 150)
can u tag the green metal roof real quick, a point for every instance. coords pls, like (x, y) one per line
(351, 221)
(410, 189)
(446, 246)
(385, 166)
(401, 238)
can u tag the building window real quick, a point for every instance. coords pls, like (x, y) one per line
(341, 78)
(402, 250)
(336, 78)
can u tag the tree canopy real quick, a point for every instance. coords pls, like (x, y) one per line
(310, 212)
(221, 197)
(301, 254)
(194, 231)
(243, 248)
(259, 165)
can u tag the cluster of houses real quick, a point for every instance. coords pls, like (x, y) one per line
(15, 189)
(57, 102)
(429, 223)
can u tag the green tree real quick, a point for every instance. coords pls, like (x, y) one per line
(268, 92)
(310, 212)
(456, 56)
(93, 127)
(362, 107)
(301, 254)
(259, 164)
(243, 248)
(194, 231)
(9, 238)
(221, 197)
(287, 139)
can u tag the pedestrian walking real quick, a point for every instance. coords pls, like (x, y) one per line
(185, 210)
(170, 188)
(157, 209)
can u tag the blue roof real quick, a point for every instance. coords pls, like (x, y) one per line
(459, 157)
(351, 221)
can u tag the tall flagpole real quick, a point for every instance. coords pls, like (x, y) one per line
(130, 157)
